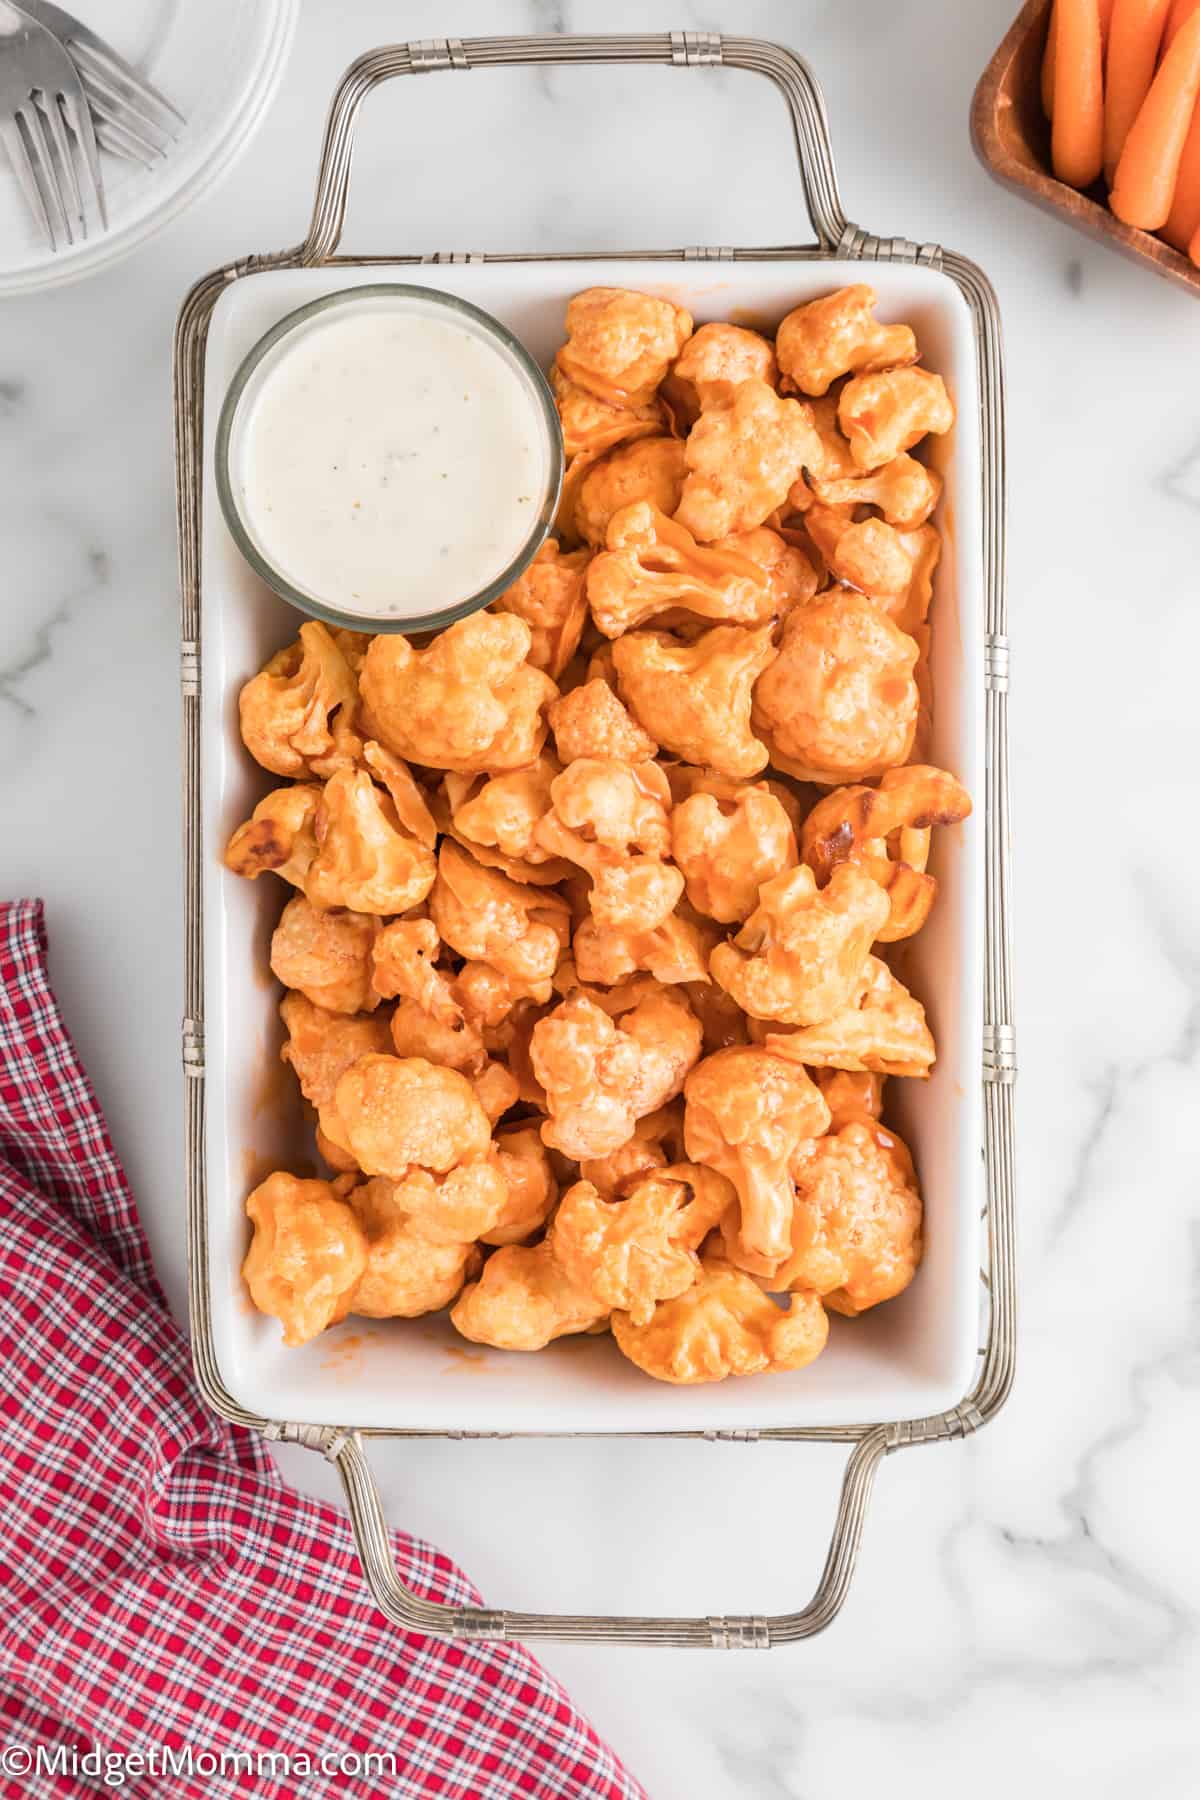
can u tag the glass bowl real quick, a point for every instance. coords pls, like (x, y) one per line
(265, 357)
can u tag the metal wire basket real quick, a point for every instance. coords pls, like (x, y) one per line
(836, 238)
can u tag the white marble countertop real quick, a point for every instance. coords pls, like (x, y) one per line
(1026, 1606)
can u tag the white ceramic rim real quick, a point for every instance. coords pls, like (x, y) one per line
(277, 29)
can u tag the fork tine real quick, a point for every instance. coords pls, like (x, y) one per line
(43, 165)
(120, 141)
(105, 62)
(80, 120)
(18, 155)
(48, 108)
(108, 104)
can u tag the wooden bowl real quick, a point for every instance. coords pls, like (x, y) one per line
(1011, 136)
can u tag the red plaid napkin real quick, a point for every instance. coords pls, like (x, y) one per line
(161, 1589)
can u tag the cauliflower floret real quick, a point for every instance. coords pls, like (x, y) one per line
(591, 721)
(882, 1029)
(321, 1046)
(633, 1252)
(611, 818)
(743, 456)
(549, 596)
(326, 955)
(591, 426)
(529, 1178)
(392, 1112)
(621, 343)
(501, 811)
(601, 1076)
(716, 359)
(850, 1095)
(728, 846)
(745, 1113)
(297, 714)
(520, 931)
(656, 1140)
(429, 1018)
(881, 415)
(454, 1208)
(868, 554)
(800, 955)
(408, 1271)
(904, 490)
(723, 1325)
(649, 471)
(280, 835)
(839, 702)
(523, 1300)
(836, 335)
(675, 951)
(856, 1227)
(696, 698)
(469, 701)
(791, 574)
(365, 859)
(885, 831)
(653, 565)
(307, 1253)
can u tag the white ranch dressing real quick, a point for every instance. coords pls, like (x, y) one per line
(393, 462)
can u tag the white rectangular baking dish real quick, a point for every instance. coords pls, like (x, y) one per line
(910, 1359)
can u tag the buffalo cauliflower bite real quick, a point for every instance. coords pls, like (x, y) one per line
(675, 951)
(745, 1113)
(469, 701)
(600, 1076)
(365, 859)
(654, 565)
(856, 1228)
(715, 360)
(727, 846)
(621, 343)
(839, 702)
(591, 426)
(743, 456)
(429, 1018)
(529, 1179)
(649, 471)
(407, 1272)
(297, 714)
(454, 1208)
(392, 1112)
(483, 915)
(801, 953)
(623, 806)
(321, 1046)
(280, 836)
(326, 956)
(904, 490)
(523, 1300)
(883, 415)
(591, 721)
(867, 554)
(657, 1139)
(635, 1251)
(723, 1325)
(850, 1095)
(307, 1253)
(791, 574)
(885, 831)
(412, 808)
(838, 335)
(500, 812)
(881, 1029)
(549, 597)
(696, 698)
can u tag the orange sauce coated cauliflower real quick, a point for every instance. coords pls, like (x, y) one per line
(715, 360)
(297, 714)
(529, 1179)
(904, 490)
(654, 565)
(839, 702)
(649, 471)
(723, 1325)
(745, 1113)
(837, 335)
(469, 701)
(600, 1076)
(882, 415)
(408, 1272)
(326, 955)
(520, 931)
(675, 951)
(801, 953)
(728, 846)
(307, 1253)
(632, 1252)
(696, 698)
(620, 343)
(882, 1029)
(523, 1300)
(743, 456)
(850, 1095)
(392, 1112)
(322, 1045)
(549, 597)
(365, 860)
(591, 721)
(279, 836)
(500, 812)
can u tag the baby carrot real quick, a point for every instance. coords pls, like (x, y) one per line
(1048, 62)
(1183, 220)
(1133, 39)
(1181, 11)
(1146, 174)
(1077, 135)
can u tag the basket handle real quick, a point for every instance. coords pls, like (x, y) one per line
(478, 1624)
(682, 49)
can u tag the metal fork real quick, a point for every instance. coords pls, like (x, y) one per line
(132, 119)
(43, 113)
